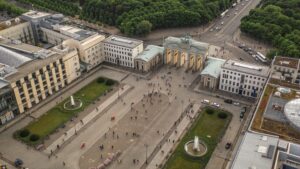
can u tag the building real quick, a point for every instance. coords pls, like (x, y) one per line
(149, 59)
(243, 78)
(8, 104)
(210, 75)
(185, 52)
(17, 29)
(51, 29)
(286, 69)
(288, 156)
(39, 78)
(256, 151)
(121, 50)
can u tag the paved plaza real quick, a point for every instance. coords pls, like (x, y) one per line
(141, 123)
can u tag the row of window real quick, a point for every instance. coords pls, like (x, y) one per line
(238, 74)
(115, 47)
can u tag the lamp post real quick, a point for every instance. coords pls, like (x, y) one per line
(146, 146)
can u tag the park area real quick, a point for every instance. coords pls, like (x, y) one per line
(38, 130)
(210, 127)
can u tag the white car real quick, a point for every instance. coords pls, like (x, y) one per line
(235, 13)
(222, 23)
(205, 101)
(216, 105)
(236, 103)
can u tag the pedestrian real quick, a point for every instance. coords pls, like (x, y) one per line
(64, 164)
(133, 161)
(101, 156)
(112, 147)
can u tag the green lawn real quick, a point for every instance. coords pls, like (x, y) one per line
(57, 116)
(206, 125)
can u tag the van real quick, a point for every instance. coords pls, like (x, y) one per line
(204, 101)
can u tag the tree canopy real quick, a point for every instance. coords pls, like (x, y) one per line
(132, 15)
(10, 8)
(278, 23)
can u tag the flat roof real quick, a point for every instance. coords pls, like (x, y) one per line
(73, 32)
(256, 151)
(286, 62)
(35, 14)
(213, 67)
(292, 112)
(19, 46)
(150, 52)
(246, 67)
(122, 41)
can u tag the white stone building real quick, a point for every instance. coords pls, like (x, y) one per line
(243, 78)
(121, 50)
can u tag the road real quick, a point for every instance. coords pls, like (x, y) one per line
(227, 35)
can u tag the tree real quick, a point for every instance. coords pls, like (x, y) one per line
(143, 27)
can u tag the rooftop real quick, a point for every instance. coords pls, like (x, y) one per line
(150, 52)
(6, 70)
(286, 62)
(11, 58)
(122, 41)
(256, 151)
(73, 32)
(213, 67)
(10, 23)
(186, 43)
(17, 45)
(35, 14)
(33, 65)
(246, 67)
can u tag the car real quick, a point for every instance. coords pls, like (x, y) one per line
(215, 105)
(243, 4)
(227, 146)
(222, 23)
(236, 9)
(18, 162)
(228, 15)
(241, 59)
(242, 46)
(205, 101)
(235, 13)
(242, 115)
(229, 101)
(236, 103)
(211, 30)
(250, 52)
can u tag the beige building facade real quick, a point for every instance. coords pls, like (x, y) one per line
(38, 79)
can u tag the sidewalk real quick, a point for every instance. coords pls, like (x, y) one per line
(74, 130)
(169, 145)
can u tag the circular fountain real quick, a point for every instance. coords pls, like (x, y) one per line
(195, 148)
(73, 104)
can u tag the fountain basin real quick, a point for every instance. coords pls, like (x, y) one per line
(73, 104)
(191, 151)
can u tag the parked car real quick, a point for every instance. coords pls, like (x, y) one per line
(205, 101)
(242, 46)
(236, 103)
(229, 101)
(227, 146)
(18, 162)
(216, 105)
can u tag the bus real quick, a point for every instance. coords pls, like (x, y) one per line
(224, 13)
(261, 57)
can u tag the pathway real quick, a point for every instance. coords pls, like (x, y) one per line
(73, 131)
(176, 135)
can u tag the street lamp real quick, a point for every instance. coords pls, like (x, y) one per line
(146, 145)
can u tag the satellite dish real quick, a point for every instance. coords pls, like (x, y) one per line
(17, 20)
(7, 23)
